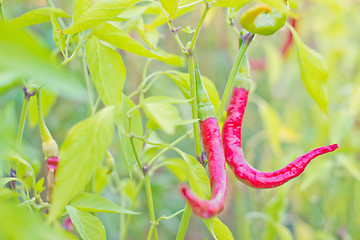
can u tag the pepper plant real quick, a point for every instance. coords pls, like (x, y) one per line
(110, 94)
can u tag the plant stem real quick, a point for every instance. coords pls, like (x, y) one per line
(150, 203)
(193, 103)
(22, 122)
(190, 4)
(152, 161)
(2, 15)
(128, 217)
(196, 34)
(88, 86)
(234, 70)
(184, 223)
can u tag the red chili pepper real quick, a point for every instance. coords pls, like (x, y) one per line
(289, 39)
(235, 157)
(211, 139)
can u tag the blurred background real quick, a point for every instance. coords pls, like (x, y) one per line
(323, 203)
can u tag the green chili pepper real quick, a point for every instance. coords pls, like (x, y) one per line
(263, 20)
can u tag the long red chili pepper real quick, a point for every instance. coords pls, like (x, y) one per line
(211, 139)
(235, 157)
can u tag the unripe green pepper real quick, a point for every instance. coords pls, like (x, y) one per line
(263, 20)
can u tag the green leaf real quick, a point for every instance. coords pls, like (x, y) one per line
(39, 186)
(177, 167)
(150, 36)
(81, 154)
(95, 203)
(23, 54)
(80, 6)
(231, 3)
(18, 223)
(164, 99)
(107, 70)
(48, 101)
(170, 6)
(98, 13)
(122, 122)
(314, 71)
(183, 83)
(88, 226)
(162, 115)
(122, 40)
(161, 19)
(220, 229)
(37, 16)
(59, 37)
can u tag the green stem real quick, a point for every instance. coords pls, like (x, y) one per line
(234, 70)
(22, 122)
(150, 203)
(88, 86)
(196, 34)
(152, 161)
(2, 15)
(193, 103)
(184, 223)
(128, 217)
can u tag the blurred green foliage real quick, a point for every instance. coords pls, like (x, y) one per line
(282, 122)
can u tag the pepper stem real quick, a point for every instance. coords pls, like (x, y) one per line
(247, 38)
(205, 107)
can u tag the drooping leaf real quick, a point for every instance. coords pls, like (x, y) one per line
(314, 71)
(81, 154)
(150, 36)
(183, 83)
(98, 13)
(122, 40)
(88, 225)
(220, 229)
(122, 123)
(107, 70)
(48, 101)
(22, 54)
(162, 115)
(95, 203)
(58, 36)
(37, 16)
(170, 6)
(17, 222)
(80, 6)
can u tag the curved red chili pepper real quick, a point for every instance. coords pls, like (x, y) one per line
(235, 157)
(289, 39)
(211, 139)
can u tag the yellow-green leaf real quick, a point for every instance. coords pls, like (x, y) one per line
(88, 225)
(221, 231)
(23, 54)
(37, 16)
(80, 6)
(161, 19)
(59, 37)
(231, 3)
(170, 6)
(122, 40)
(80, 155)
(17, 222)
(162, 115)
(98, 13)
(107, 70)
(95, 203)
(314, 71)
